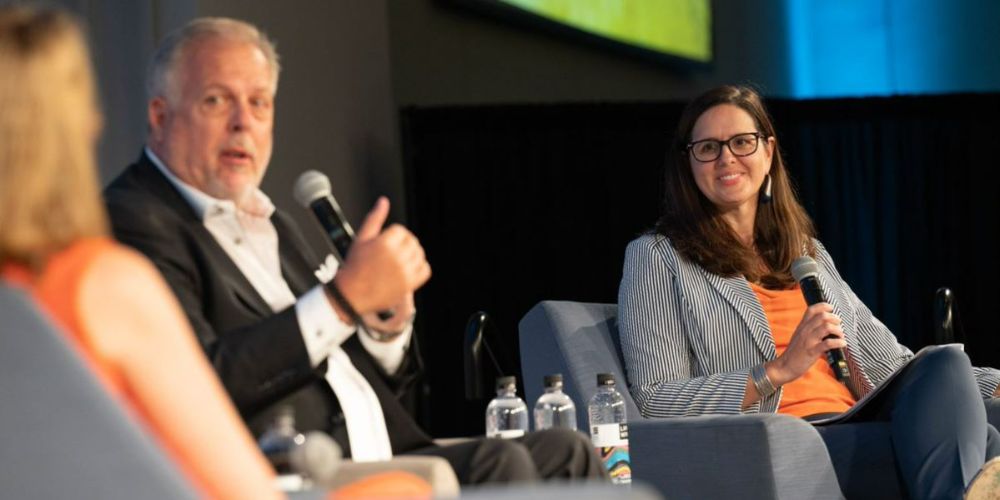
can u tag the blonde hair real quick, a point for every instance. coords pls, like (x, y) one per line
(49, 122)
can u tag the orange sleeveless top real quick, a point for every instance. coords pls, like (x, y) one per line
(817, 391)
(57, 291)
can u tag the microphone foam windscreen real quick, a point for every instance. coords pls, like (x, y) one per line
(804, 267)
(310, 186)
(318, 457)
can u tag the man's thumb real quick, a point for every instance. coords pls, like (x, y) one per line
(372, 225)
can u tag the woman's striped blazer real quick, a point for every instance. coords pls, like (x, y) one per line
(689, 337)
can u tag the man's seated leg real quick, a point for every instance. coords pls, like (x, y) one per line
(486, 461)
(548, 454)
(564, 454)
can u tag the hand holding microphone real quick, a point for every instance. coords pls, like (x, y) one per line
(818, 333)
(380, 269)
(383, 266)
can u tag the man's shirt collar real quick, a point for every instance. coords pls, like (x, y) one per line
(206, 206)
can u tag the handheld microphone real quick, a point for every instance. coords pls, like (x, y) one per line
(312, 191)
(316, 458)
(806, 272)
(299, 459)
(302, 461)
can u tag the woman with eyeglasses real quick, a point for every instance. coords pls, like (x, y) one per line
(713, 322)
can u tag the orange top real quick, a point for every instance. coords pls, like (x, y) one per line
(56, 289)
(392, 484)
(817, 391)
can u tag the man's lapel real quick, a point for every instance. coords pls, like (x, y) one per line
(218, 259)
(298, 263)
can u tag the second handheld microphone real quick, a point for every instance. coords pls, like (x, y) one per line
(806, 272)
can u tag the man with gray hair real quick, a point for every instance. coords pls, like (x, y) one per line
(278, 332)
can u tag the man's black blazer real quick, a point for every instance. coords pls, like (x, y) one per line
(259, 355)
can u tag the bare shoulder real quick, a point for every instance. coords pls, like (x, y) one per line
(125, 275)
(124, 299)
(119, 261)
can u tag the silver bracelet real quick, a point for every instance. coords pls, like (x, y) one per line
(763, 384)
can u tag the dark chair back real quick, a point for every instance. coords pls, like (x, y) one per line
(578, 340)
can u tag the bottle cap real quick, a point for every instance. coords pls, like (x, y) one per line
(605, 379)
(553, 380)
(505, 382)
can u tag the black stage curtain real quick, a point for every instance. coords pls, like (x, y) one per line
(522, 203)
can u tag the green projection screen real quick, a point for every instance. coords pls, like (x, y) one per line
(672, 28)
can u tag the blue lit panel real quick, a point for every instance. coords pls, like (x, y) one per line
(849, 48)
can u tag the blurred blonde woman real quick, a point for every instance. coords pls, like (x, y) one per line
(112, 304)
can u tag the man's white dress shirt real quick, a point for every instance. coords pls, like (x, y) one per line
(251, 241)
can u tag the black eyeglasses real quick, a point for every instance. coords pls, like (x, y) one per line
(711, 149)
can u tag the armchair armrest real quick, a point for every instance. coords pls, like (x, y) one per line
(733, 456)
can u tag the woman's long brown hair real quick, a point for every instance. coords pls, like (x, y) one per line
(782, 229)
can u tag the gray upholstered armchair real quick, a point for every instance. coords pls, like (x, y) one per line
(743, 456)
(63, 436)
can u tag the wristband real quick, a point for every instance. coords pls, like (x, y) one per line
(344, 304)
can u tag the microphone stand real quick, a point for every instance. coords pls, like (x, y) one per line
(477, 384)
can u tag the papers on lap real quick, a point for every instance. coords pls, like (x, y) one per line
(863, 403)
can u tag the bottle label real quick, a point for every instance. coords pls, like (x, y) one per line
(611, 441)
(507, 434)
(605, 435)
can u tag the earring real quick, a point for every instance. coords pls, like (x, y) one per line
(765, 192)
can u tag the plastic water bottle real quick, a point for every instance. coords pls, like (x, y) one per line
(554, 408)
(609, 429)
(507, 415)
